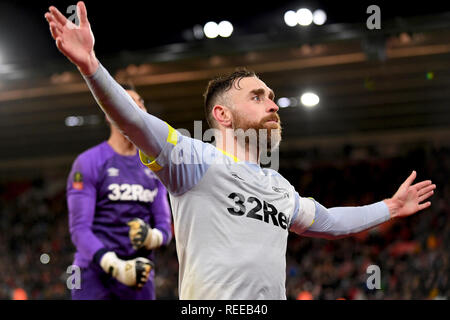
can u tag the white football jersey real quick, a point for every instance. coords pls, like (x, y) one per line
(231, 221)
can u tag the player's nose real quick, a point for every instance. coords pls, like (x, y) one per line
(272, 106)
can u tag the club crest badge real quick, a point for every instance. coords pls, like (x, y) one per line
(77, 181)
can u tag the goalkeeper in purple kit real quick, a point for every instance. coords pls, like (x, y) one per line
(118, 214)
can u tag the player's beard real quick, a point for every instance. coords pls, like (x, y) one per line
(273, 130)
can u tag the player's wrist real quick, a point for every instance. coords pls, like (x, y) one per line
(98, 255)
(91, 65)
(154, 238)
(110, 263)
(394, 206)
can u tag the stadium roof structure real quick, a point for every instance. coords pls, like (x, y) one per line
(376, 87)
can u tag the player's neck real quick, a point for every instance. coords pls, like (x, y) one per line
(120, 144)
(242, 152)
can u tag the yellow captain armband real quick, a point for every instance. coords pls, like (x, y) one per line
(150, 162)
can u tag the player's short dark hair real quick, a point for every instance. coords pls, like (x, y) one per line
(218, 86)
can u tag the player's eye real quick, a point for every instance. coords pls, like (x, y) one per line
(256, 98)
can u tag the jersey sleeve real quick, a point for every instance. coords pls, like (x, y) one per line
(182, 161)
(81, 201)
(161, 148)
(304, 214)
(338, 222)
(146, 131)
(161, 213)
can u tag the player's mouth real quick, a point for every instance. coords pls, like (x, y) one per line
(273, 121)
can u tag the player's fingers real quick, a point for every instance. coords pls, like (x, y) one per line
(411, 178)
(48, 16)
(425, 196)
(82, 13)
(59, 17)
(55, 32)
(421, 184)
(52, 32)
(51, 19)
(140, 233)
(426, 189)
(424, 205)
(134, 226)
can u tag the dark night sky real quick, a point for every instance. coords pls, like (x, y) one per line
(133, 25)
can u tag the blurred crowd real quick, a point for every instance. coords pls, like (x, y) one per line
(412, 254)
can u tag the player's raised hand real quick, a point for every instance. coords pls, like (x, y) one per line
(409, 198)
(75, 42)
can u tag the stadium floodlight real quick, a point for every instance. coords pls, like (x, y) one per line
(290, 18)
(284, 102)
(225, 29)
(304, 17)
(74, 121)
(309, 99)
(211, 30)
(319, 17)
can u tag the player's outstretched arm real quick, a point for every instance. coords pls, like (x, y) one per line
(147, 132)
(339, 222)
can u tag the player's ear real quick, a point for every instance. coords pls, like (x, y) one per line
(223, 115)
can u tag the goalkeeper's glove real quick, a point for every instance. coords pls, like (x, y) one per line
(142, 235)
(133, 273)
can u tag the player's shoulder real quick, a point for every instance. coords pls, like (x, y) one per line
(192, 141)
(202, 151)
(275, 174)
(272, 173)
